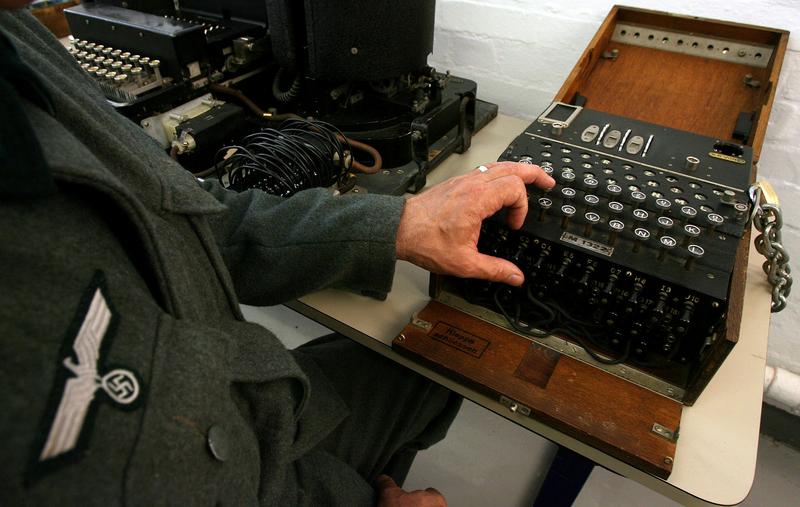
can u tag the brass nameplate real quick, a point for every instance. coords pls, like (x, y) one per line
(727, 158)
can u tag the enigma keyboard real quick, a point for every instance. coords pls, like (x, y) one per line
(631, 254)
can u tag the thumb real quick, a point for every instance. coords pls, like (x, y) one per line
(384, 482)
(495, 269)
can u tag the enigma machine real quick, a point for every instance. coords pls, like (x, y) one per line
(283, 95)
(635, 260)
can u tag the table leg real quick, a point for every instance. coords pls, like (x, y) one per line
(565, 479)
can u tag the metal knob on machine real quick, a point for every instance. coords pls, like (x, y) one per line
(568, 211)
(695, 252)
(568, 193)
(664, 225)
(615, 207)
(557, 128)
(663, 205)
(638, 198)
(692, 163)
(642, 235)
(590, 184)
(592, 219)
(666, 243)
(691, 231)
(688, 213)
(714, 220)
(729, 196)
(591, 201)
(155, 66)
(741, 212)
(614, 190)
(616, 227)
(136, 74)
(544, 205)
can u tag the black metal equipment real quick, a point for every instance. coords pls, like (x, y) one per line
(358, 66)
(631, 253)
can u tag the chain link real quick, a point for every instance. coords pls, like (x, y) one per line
(768, 220)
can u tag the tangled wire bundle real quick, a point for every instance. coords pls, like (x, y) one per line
(299, 154)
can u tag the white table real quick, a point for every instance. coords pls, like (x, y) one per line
(716, 453)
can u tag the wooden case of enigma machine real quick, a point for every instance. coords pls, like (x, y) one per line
(635, 261)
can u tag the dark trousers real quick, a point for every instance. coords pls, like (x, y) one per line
(394, 412)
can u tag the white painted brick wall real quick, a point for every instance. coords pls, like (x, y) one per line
(521, 51)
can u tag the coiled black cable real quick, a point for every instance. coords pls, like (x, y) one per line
(286, 95)
(299, 154)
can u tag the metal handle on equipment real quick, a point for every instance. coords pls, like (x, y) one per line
(766, 217)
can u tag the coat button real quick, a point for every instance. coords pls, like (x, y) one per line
(218, 443)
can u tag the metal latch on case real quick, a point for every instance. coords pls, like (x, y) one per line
(515, 407)
(762, 192)
(663, 431)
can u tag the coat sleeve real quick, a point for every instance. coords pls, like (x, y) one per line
(278, 249)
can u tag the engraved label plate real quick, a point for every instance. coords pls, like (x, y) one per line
(458, 339)
(588, 244)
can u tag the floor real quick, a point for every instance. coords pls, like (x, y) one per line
(488, 461)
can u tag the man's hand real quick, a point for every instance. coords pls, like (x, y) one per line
(390, 495)
(439, 228)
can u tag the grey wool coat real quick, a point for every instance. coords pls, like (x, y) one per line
(129, 375)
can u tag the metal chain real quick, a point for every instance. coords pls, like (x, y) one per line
(768, 221)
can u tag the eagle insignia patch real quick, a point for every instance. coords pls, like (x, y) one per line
(84, 378)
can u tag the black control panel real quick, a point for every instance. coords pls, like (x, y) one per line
(631, 253)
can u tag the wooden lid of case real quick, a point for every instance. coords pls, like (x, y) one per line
(682, 72)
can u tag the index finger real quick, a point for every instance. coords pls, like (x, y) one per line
(514, 197)
(530, 174)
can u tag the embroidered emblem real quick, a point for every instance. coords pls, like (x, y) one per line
(120, 385)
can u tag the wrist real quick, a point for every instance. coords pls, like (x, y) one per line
(405, 231)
